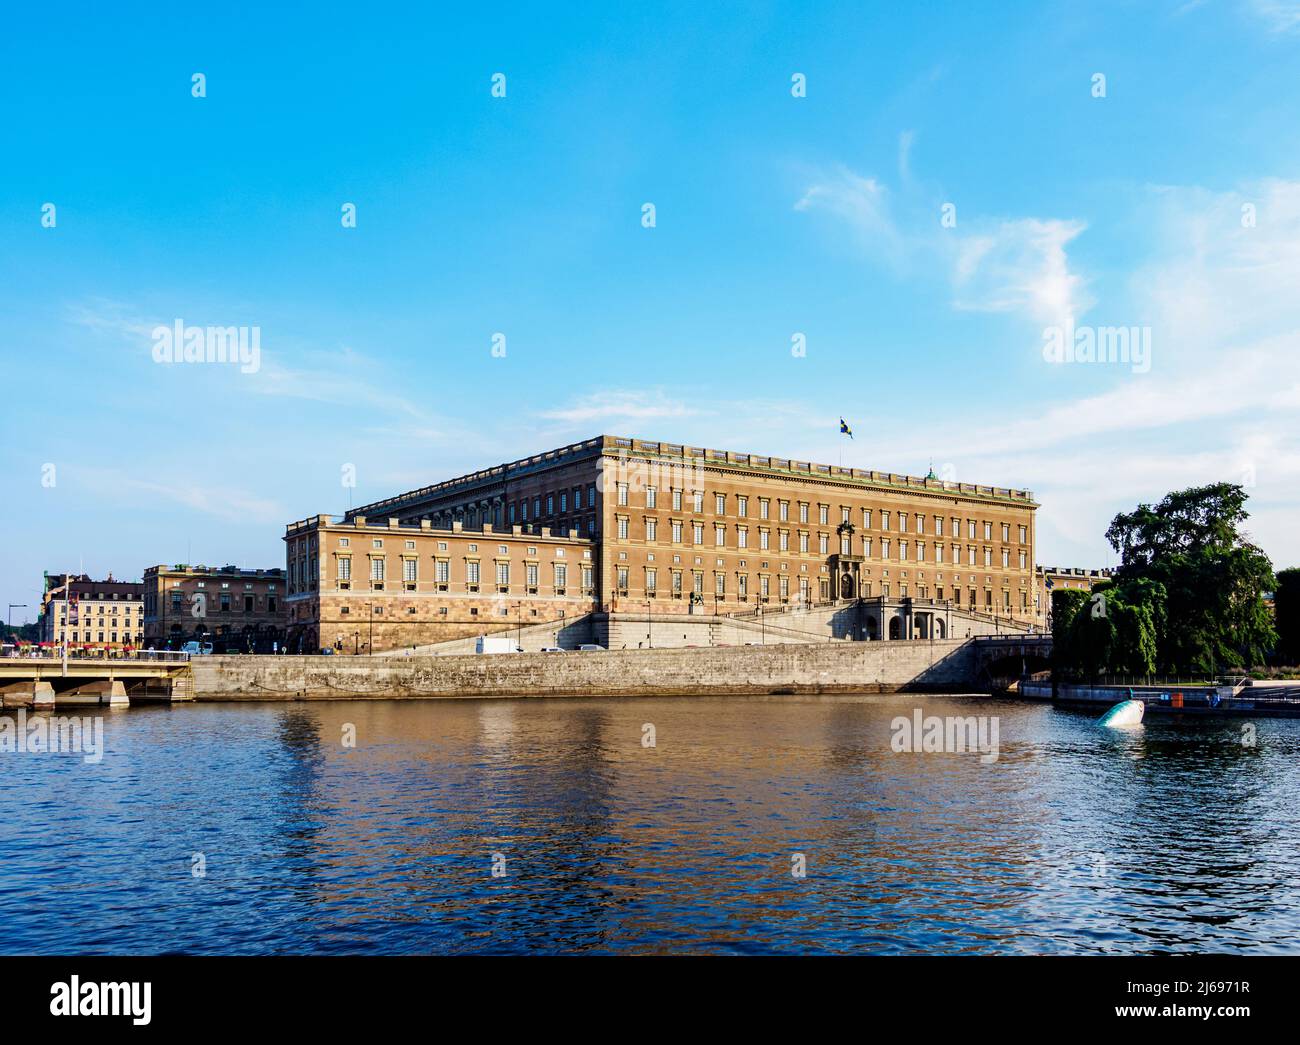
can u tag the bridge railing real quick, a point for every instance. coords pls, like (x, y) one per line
(54, 655)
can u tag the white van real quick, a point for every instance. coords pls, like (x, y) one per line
(197, 649)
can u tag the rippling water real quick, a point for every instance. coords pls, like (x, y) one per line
(1174, 837)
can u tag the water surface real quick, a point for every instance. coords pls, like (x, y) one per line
(1174, 837)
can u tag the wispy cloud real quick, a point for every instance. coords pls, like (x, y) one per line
(227, 503)
(619, 405)
(1009, 265)
(1279, 16)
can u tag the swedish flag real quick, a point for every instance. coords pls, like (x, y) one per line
(845, 429)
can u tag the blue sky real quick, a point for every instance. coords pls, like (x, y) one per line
(775, 216)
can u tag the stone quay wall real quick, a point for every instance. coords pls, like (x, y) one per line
(842, 667)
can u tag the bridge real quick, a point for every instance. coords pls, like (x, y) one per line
(1002, 659)
(45, 680)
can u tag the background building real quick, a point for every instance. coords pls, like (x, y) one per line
(675, 529)
(238, 611)
(85, 612)
(1048, 578)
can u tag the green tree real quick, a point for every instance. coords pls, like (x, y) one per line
(1286, 606)
(1212, 614)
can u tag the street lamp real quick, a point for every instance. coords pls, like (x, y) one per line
(14, 606)
(649, 633)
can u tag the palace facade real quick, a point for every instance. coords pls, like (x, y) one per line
(650, 527)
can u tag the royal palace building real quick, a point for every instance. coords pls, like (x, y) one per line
(618, 525)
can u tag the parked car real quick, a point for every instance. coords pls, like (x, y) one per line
(197, 649)
(327, 651)
(552, 649)
(591, 647)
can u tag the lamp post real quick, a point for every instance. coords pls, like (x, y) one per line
(356, 643)
(519, 629)
(14, 606)
(649, 634)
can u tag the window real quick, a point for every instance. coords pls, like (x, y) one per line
(622, 527)
(472, 574)
(586, 578)
(1006, 532)
(824, 514)
(970, 529)
(698, 529)
(622, 493)
(783, 511)
(530, 576)
(376, 569)
(783, 540)
(938, 553)
(410, 546)
(1022, 560)
(719, 584)
(938, 525)
(988, 531)
(1006, 558)
(742, 536)
(697, 499)
(720, 504)
(720, 536)
(803, 511)
(677, 532)
(345, 570)
(902, 551)
(651, 575)
(503, 575)
(742, 586)
(1024, 533)
(763, 506)
(564, 501)
(651, 525)
(344, 542)
(677, 584)
(677, 500)
(376, 543)
(884, 520)
(442, 572)
(649, 497)
(783, 587)
(803, 543)
(824, 543)
(902, 522)
(763, 539)
(742, 506)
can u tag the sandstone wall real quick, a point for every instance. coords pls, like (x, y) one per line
(839, 667)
